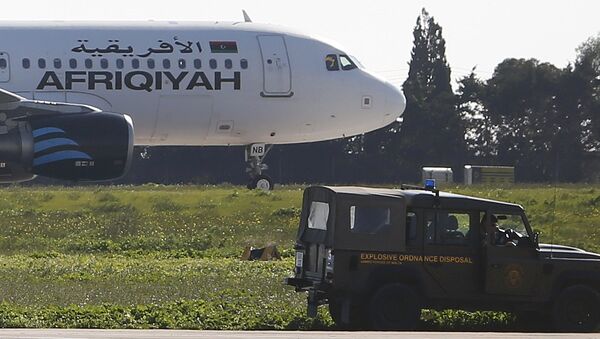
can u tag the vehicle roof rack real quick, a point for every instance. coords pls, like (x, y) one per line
(423, 188)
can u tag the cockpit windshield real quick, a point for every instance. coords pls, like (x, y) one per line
(347, 63)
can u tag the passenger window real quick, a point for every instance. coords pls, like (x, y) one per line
(3, 63)
(319, 215)
(57, 63)
(447, 228)
(42, 63)
(228, 63)
(370, 220)
(135, 63)
(244, 64)
(89, 63)
(104, 63)
(151, 63)
(120, 63)
(166, 63)
(347, 63)
(212, 63)
(411, 226)
(72, 63)
(197, 63)
(182, 63)
(331, 62)
(26, 63)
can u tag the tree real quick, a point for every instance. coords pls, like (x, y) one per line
(480, 135)
(587, 70)
(432, 131)
(527, 115)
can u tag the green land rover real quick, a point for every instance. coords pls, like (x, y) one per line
(379, 256)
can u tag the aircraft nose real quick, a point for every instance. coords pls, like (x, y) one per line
(395, 103)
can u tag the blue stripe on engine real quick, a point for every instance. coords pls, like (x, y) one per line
(46, 130)
(58, 156)
(54, 142)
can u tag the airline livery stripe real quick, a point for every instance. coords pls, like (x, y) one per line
(55, 142)
(58, 156)
(46, 130)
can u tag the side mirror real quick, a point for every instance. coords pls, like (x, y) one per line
(536, 239)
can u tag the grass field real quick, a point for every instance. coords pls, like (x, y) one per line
(166, 256)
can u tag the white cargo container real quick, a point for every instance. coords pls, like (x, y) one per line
(440, 174)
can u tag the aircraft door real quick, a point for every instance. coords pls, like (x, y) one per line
(4, 67)
(276, 66)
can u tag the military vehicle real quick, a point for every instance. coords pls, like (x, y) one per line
(379, 256)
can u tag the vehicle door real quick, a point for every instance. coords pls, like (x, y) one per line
(277, 75)
(512, 262)
(451, 251)
(316, 225)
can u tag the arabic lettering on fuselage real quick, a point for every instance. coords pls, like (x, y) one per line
(114, 47)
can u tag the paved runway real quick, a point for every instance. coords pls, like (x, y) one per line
(154, 334)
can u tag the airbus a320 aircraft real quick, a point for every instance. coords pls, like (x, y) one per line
(73, 92)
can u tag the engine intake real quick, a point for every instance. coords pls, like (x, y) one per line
(94, 146)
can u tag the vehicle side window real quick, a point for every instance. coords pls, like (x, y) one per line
(447, 228)
(331, 62)
(319, 215)
(411, 227)
(369, 220)
(26, 63)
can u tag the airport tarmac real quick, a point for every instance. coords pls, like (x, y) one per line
(154, 334)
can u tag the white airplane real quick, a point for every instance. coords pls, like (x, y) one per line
(178, 83)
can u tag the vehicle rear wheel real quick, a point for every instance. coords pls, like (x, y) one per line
(577, 309)
(356, 321)
(395, 307)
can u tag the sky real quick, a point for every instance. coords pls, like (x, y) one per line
(478, 33)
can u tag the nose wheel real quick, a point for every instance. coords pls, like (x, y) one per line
(255, 155)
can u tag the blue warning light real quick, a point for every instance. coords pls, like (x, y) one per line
(430, 184)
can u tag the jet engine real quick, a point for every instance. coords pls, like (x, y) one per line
(90, 146)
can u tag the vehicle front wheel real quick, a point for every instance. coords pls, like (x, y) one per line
(395, 307)
(577, 309)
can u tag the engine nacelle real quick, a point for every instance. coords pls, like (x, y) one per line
(93, 146)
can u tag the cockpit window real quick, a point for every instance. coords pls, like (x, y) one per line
(347, 63)
(331, 62)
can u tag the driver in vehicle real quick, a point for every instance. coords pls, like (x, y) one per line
(504, 237)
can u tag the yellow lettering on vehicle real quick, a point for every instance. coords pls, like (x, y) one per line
(398, 259)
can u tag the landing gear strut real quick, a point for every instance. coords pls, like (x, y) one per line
(255, 155)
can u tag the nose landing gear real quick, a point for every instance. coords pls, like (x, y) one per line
(255, 155)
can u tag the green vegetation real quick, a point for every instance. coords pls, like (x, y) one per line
(166, 256)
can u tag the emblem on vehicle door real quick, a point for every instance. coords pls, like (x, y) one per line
(513, 276)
